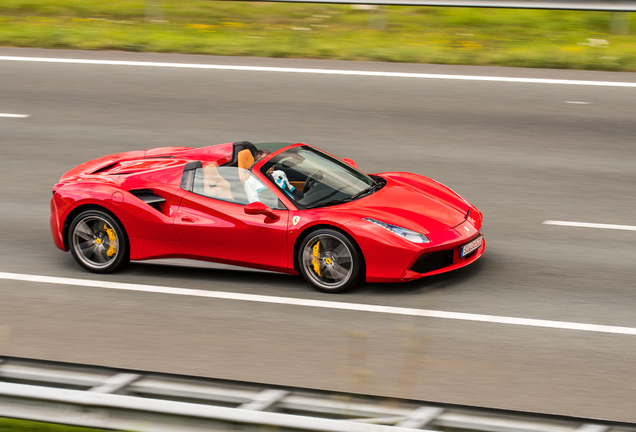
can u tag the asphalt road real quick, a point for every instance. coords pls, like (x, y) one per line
(522, 152)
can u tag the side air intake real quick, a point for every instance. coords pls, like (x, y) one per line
(149, 197)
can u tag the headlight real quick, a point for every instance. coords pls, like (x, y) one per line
(407, 234)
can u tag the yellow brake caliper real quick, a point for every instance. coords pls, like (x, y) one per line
(112, 250)
(315, 256)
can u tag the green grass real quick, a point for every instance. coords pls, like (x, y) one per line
(10, 425)
(526, 38)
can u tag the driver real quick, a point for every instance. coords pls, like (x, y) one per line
(253, 186)
(280, 178)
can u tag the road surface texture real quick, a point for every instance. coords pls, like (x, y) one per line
(523, 152)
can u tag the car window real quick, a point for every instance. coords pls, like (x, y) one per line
(311, 178)
(271, 147)
(257, 191)
(232, 184)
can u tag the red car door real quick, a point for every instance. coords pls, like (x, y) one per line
(221, 231)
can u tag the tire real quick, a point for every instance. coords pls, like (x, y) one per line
(98, 242)
(329, 261)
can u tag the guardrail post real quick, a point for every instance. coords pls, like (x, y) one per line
(379, 20)
(376, 15)
(154, 10)
(619, 22)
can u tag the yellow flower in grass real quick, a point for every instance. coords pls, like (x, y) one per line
(200, 26)
(470, 45)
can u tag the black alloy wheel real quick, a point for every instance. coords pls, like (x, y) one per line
(330, 261)
(98, 242)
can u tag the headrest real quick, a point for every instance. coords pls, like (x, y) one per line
(245, 159)
(239, 146)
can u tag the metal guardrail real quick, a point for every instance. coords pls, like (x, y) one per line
(592, 5)
(118, 399)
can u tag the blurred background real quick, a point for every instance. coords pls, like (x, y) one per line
(450, 35)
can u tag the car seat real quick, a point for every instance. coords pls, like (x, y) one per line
(243, 154)
(214, 185)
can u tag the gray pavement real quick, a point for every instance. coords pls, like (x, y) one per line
(521, 152)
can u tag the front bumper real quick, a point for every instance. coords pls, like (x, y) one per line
(441, 261)
(390, 258)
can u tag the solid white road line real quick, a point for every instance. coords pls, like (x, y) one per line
(563, 325)
(591, 225)
(14, 115)
(323, 71)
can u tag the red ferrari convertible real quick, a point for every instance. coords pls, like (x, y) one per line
(284, 207)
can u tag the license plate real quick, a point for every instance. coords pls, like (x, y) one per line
(468, 248)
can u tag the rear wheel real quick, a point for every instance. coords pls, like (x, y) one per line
(98, 242)
(330, 261)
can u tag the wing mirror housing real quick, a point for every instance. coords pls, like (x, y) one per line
(350, 162)
(257, 207)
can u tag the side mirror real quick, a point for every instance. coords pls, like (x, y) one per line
(257, 207)
(350, 162)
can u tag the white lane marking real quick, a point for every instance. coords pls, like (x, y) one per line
(15, 115)
(590, 225)
(578, 103)
(493, 319)
(323, 71)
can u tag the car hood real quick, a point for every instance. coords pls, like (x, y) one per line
(414, 202)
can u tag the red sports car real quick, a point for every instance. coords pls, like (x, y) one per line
(289, 208)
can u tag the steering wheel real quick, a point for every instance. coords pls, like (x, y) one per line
(312, 179)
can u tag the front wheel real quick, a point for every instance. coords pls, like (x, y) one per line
(98, 242)
(330, 261)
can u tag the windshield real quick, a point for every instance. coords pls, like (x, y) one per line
(311, 178)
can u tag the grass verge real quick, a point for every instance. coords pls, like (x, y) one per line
(502, 37)
(11, 425)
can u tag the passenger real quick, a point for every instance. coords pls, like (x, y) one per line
(214, 185)
(253, 185)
